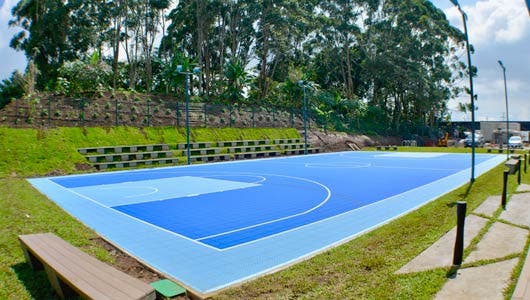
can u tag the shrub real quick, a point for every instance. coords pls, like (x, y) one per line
(84, 76)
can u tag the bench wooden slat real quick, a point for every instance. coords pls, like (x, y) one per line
(60, 255)
(513, 165)
(72, 274)
(82, 272)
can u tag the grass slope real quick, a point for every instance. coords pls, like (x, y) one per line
(23, 210)
(30, 152)
(360, 269)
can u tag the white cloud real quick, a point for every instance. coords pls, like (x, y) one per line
(493, 20)
(498, 29)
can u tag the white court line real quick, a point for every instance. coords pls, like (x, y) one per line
(136, 219)
(279, 219)
(338, 165)
(348, 212)
(261, 178)
(154, 190)
(409, 168)
(209, 246)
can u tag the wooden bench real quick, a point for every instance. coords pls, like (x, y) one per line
(71, 271)
(513, 165)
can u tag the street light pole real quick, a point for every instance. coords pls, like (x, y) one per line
(507, 115)
(472, 93)
(302, 83)
(180, 70)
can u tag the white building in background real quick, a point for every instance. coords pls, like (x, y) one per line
(495, 132)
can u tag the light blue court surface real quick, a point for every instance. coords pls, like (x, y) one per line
(213, 225)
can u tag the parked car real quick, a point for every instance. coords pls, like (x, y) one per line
(515, 142)
(479, 141)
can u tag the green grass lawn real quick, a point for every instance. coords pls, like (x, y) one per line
(360, 269)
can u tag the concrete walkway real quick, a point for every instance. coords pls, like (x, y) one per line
(493, 254)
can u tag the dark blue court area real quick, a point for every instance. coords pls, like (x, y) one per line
(236, 220)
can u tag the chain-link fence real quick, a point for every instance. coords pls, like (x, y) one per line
(140, 110)
(145, 111)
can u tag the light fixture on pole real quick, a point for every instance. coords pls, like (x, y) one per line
(471, 92)
(303, 85)
(507, 116)
(180, 70)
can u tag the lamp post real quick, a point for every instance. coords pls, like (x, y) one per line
(180, 70)
(472, 93)
(303, 85)
(507, 116)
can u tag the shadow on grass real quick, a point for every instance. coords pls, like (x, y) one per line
(463, 196)
(453, 271)
(35, 282)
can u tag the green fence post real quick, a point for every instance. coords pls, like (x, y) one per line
(49, 111)
(82, 115)
(177, 114)
(16, 112)
(148, 112)
(253, 112)
(230, 116)
(205, 112)
(116, 110)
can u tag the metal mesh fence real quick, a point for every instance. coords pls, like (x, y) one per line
(142, 111)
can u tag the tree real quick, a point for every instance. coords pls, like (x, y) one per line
(54, 32)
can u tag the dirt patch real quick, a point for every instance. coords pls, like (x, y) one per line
(130, 265)
(55, 173)
(339, 141)
(82, 166)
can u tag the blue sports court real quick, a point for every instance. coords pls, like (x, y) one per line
(212, 225)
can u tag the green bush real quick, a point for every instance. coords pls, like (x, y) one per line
(83, 76)
(9, 90)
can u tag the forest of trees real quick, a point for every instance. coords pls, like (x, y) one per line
(391, 65)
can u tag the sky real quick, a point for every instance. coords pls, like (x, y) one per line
(498, 30)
